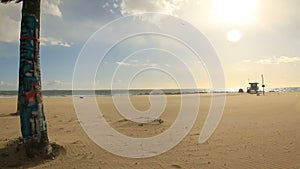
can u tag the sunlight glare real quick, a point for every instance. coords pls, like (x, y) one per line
(236, 12)
(234, 35)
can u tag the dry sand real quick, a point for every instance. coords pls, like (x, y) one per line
(255, 132)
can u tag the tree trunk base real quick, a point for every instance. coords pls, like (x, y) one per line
(13, 155)
(34, 149)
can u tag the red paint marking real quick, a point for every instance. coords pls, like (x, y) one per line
(33, 84)
(30, 38)
(31, 94)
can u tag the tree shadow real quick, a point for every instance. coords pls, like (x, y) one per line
(10, 114)
(13, 155)
(14, 114)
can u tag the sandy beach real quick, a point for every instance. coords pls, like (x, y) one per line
(255, 132)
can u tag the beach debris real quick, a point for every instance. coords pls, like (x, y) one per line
(154, 122)
(122, 120)
(160, 121)
(151, 122)
(130, 122)
(176, 166)
(76, 142)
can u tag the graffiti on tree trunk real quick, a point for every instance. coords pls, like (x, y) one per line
(30, 98)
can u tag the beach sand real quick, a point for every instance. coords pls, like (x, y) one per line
(255, 132)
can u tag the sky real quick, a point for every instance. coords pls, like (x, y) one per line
(250, 37)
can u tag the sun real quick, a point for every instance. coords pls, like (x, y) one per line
(234, 12)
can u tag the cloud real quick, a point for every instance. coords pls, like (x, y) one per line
(111, 6)
(51, 7)
(133, 7)
(7, 86)
(46, 85)
(105, 5)
(285, 59)
(134, 60)
(275, 60)
(9, 29)
(150, 65)
(56, 84)
(115, 5)
(247, 61)
(168, 65)
(135, 63)
(137, 8)
(54, 42)
(278, 60)
(10, 18)
(123, 63)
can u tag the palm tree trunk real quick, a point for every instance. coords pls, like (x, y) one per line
(30, 102)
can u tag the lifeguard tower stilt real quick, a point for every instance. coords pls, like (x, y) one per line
(263, 83)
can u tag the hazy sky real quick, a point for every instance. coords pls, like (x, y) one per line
(251, 37)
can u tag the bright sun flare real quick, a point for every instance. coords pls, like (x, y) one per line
(236, 12)
(234, 35)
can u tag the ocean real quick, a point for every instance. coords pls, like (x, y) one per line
(67, 93)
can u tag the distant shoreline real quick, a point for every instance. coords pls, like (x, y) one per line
(68, 93)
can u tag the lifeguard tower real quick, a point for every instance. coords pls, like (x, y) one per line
(253, 89)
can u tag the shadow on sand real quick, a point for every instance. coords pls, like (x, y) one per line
(10, 114)
(13, 155)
